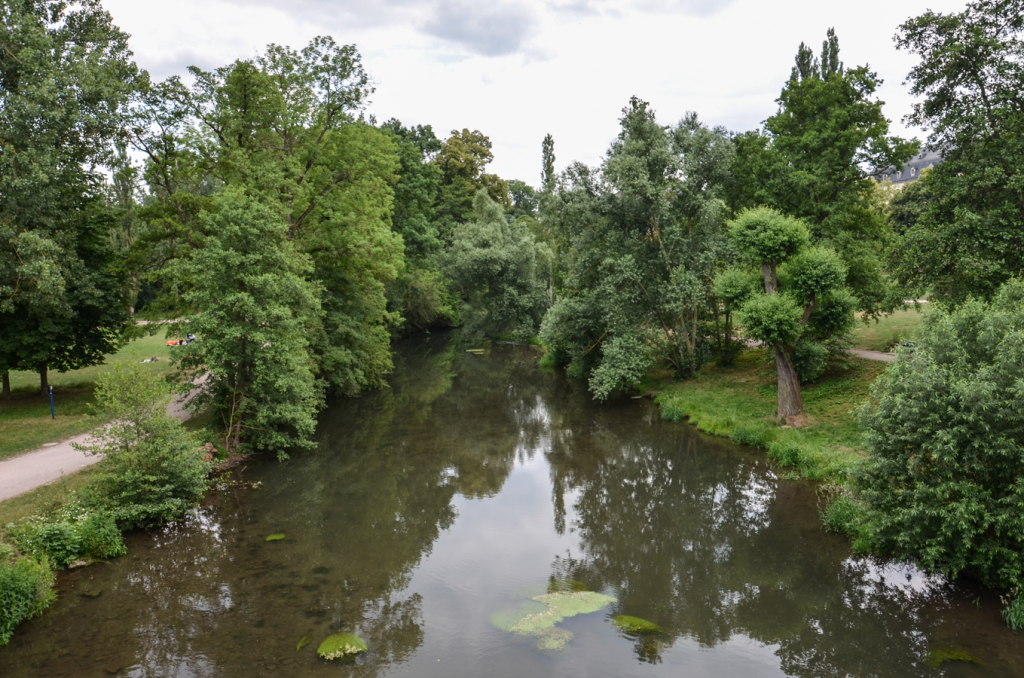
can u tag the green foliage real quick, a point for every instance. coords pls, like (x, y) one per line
(840, 515)
(341, 645)
(765, 235)
(497, 269)
(967, 239)
(938, 656)
(815, 158)
(1013, 613)
(258, 310)
(772, 319)
(639, 242)
(153, 469)
(754, 436)
(25, 590)
(944, 483)
(462, 159)
(69, 535)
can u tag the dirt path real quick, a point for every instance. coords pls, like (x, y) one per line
(874, 355)
(30, 470)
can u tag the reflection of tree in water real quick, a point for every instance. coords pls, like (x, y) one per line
(700, 538)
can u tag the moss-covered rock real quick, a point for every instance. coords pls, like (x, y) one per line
(940, 655)
(635, 626)
(341, 645)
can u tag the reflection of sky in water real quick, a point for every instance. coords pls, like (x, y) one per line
(461, 491)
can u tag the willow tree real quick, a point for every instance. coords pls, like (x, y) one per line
(640, 241)
(800, 317)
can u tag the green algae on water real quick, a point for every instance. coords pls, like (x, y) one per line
(278, 536)
(303, 642)
(340, 645)
(636, 626)
(940, 655)
(537, 618)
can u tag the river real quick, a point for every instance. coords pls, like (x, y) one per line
(476, 482)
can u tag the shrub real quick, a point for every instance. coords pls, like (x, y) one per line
(69, 534)
(785, 453)
(1013, 614)
(944, 424)
(154, 469)
(25, 590)
(840, 515)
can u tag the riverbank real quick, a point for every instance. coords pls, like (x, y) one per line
(739, 402)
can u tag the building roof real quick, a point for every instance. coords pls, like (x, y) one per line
(911, 171)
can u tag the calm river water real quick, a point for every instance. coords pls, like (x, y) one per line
(468, 487)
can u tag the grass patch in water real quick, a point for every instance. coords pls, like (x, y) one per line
(739, 402)
(341, 645)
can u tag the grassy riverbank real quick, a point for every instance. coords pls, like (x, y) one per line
(738, 402)
(25, 422)
(888, 331)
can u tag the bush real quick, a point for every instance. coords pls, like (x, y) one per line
(68, 535)
(785, 453)
(945, 486)
(1013, 615)
(840, 515)
(25, 590)
(154, 469)
(754, 437)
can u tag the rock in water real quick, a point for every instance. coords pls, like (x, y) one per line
(341, 645)
(635, 626)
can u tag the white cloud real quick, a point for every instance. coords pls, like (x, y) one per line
(517, 70)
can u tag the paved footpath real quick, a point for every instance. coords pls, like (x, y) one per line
(46, 465)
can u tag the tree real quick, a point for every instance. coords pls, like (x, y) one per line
(256, 312)
(281, 126)
(547, 174)
(154, 470)
(781, 317)
(462, 160)
(499, 271)
(65, 78)
(968, 240)
(815, 160)
(943, 486)
(640, 241)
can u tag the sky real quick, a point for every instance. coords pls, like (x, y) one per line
(519, 69)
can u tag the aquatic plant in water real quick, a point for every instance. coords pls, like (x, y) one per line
(538, 619)
(939, 655)
(635, 625)
(303, 642)
(340, 645)
(276, 537)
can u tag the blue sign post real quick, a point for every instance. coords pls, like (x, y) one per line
(52, 416)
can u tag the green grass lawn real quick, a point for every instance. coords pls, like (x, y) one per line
(888, 331)
(739, 402)
(25, 421)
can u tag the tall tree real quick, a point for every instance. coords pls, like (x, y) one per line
(815, 159)
(257, 309)
(66, 75)
(641, 241)
(462, 159)
(797, 318)
(547, 174)
(281, 126)
(968, 240)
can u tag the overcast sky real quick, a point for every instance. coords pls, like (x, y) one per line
(519, 69)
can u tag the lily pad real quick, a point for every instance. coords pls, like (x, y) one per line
(340, 645)
(303, 642)
(276, 537)
(939, 655)
(635, 625)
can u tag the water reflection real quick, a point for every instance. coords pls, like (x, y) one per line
(442, 499)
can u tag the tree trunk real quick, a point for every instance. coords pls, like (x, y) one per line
(44, 385)
(7, 385)
(790, 403)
